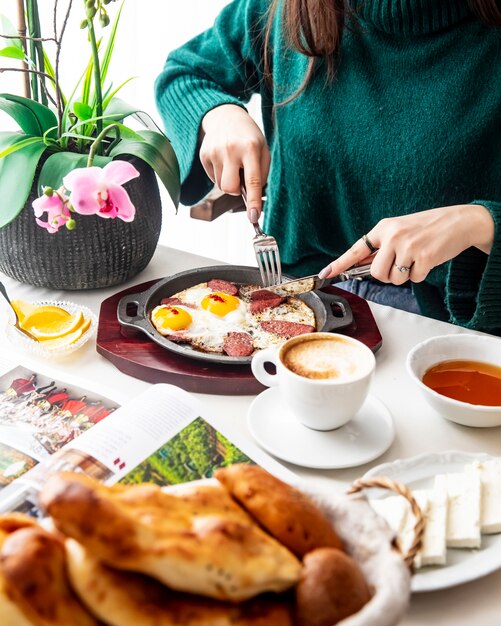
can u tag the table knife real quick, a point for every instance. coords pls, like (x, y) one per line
(310, 283)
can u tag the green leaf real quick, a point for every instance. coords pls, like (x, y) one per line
(120, 109)
(61, 163)
(49, 70)
(33, 118)
(87, 78)
(125, 131)
(155, 150)
(82, 111)
(19, 145)
(12, 52)
(66, 111)
(105, 63)
(111, 94)
(7, 28)
(17, 171)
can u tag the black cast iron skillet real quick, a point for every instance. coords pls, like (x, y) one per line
(323, 305)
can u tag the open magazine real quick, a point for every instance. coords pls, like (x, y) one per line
(162, 436)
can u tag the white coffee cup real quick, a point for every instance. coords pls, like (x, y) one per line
(324, 378)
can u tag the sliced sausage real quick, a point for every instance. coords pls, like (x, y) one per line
(286, 329)
(176, 302)
(171, 301)
(256, 306)
(178, 338)
(223, 285)
(238, 344)
(262, 294)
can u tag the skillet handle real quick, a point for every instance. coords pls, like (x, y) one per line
(345, 317)
(137, 321)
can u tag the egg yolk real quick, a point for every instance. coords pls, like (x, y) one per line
(220, 303)
(174, 318)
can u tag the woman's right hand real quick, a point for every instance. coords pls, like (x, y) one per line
(232, 141)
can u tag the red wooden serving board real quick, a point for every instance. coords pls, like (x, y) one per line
(135, 354)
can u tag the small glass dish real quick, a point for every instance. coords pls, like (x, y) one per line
(41, 348)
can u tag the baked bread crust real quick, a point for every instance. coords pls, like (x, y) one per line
(199, 542)
(33, 569)
(286, 513)
(126, 599)
(331, 588)
(9, 611)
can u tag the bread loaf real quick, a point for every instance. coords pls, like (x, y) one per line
(332, 587)
(199, 542)
(33, 568)
(126, 599)
(287, 513)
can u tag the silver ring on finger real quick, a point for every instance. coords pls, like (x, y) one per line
(369, 244)
(404, 269)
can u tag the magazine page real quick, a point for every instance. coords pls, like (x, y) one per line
(40, 415)
(163, 436)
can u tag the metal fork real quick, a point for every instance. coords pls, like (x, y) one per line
(267, 254)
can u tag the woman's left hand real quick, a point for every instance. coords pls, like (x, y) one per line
(410, 246)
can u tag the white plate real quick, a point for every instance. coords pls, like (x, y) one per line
(462, 565)
(364, 438)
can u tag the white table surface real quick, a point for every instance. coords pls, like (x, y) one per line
(419, 428)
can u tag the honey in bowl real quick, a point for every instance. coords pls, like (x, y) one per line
(468, 381)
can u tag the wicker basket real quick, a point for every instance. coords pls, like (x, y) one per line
(370, 541)
(98, 253)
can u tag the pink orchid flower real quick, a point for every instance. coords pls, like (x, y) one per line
(99, 191)
(57, 211)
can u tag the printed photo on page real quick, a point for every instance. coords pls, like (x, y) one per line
(162, 436)
(40, 416)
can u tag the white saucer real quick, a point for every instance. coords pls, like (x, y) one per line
(364, 438)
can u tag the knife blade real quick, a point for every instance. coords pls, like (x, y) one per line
(311, 283)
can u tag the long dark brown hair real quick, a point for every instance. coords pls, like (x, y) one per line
(314, 28)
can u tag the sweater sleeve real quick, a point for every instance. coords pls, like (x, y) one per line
(220, 66)
(474, 282)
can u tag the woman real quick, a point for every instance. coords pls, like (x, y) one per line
(382, 124)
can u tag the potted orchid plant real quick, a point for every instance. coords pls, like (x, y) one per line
(73, 166)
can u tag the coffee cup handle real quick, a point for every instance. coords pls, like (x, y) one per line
(270, 355)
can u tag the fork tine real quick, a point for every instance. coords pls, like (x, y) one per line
(271, 259)
(261, 268)
(279, 268)
(277, 273)
(264, 256)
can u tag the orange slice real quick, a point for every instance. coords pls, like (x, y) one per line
(69, 339)
(22, 308)
(51, 323)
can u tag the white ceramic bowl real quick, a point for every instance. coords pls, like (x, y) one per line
(456, 347)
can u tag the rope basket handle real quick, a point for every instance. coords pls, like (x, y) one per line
(402, 490)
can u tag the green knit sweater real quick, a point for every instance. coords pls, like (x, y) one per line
(412, 121)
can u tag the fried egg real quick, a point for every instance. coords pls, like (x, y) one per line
(203, 318)
(292, 310)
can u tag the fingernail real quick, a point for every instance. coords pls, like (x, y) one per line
(253, 216)
(325, 272)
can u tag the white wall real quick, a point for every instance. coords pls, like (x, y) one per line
(149, 29)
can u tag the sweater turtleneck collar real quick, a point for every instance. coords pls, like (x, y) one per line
(411, 17)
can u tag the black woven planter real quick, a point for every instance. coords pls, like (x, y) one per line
(98, 253)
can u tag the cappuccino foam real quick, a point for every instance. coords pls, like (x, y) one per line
(322, 359)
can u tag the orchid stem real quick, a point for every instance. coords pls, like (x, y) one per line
(97, 141)
(97, 78)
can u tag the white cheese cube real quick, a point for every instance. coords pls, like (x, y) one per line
(490, 503)
(394, 510)
(463, 508)
(433, 504)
